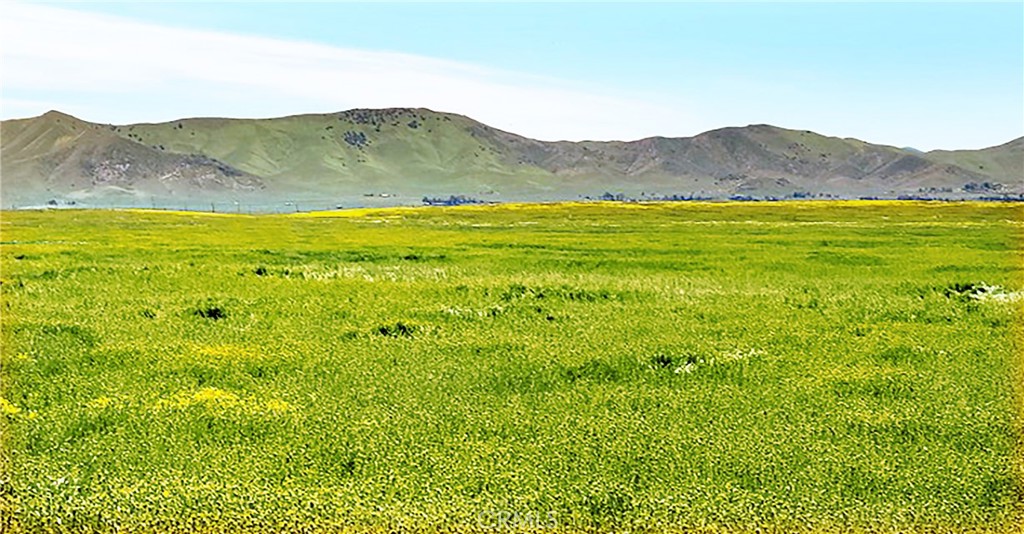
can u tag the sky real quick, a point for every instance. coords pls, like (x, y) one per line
(924, 74)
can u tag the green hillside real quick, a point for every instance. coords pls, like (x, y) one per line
(414, 152)
(1002, 160)
(419, 151)
(400, 155)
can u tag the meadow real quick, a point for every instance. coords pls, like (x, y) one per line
(688, 367)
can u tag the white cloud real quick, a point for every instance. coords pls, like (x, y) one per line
(122, 70)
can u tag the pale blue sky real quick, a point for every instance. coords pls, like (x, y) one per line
(928, 75)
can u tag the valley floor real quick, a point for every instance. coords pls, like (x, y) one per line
(822, 366)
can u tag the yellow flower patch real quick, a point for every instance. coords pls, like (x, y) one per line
(7, 408)
(207, 397)
(219, 400)
(278, 406)
(100, 403)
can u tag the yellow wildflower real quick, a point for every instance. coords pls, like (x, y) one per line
(278, 406)
(100, 403)
(209, 397)
(7, 408)
(226, 352)
(214, 396)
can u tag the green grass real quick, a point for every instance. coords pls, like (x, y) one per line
(783, 367)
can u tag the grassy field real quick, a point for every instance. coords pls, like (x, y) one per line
(788, 367)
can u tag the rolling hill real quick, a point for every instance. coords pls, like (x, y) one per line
(56, 156)
(400, 155)
(998, 161)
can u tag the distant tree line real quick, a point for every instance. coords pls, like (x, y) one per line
(454, 200)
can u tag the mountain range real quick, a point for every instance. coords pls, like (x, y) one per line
(404, 156)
